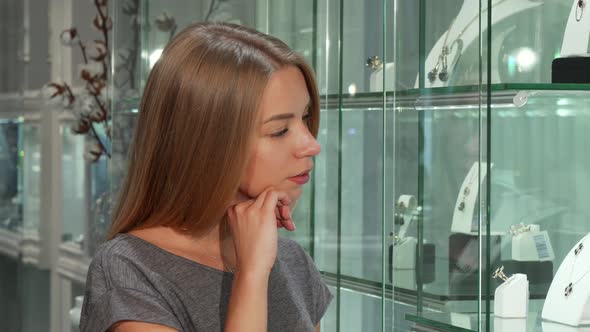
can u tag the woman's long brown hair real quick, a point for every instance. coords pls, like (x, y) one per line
(197, 118)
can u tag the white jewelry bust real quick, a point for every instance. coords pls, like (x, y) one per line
(568, 298)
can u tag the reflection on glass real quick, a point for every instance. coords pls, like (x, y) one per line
(74, 185)
(31, 176)
(10, 176)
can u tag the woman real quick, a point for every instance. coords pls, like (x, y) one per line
(223, 145)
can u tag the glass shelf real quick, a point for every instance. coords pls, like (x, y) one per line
(461, 322)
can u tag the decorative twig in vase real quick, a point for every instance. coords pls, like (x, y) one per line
(90, 105)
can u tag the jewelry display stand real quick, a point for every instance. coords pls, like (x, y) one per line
(376, 78)
(466, 200)
(555, 327)
(509, 324)
(577, 32)
(511, 299)
(568, 299)
(404, 270)
(405, 247)
(465, 28)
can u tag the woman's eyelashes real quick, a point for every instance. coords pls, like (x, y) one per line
(280, 133)
(284, 131)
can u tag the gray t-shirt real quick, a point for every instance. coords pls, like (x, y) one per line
(132, 279)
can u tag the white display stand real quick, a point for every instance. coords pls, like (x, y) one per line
(463, 219)
(404, 256)
(574, 309)
(404, 268)
(511, 299)
(75, 313)
(577, 33)
(466, 27)
(376, 78)
(509, 324)
(555, 327)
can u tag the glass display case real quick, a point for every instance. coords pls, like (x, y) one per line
(447, 152)
(490, 149)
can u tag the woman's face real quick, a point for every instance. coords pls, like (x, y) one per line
(283, 149)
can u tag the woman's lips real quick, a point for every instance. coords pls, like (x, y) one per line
(300, 179)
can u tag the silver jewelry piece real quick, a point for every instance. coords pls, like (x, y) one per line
(521, 229)
(569, 289)
(499, 273)
(374, 63)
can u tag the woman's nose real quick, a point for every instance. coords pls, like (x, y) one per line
(308, 146)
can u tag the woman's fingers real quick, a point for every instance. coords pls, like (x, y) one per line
(259, 203)
(286, 220)
(269, 202)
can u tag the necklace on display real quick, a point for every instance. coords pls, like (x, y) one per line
(467, 191)
(442, 60)
(580, 10)
(569, 289)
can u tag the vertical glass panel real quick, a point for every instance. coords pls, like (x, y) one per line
(327, 171)
(31, 176)
(75, 200)
(10, 175)
(439, 170)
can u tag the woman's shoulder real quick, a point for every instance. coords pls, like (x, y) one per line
(115, 249)
(286, 244)
(122, 262)
(293, 254)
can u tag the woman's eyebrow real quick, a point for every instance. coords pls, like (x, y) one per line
(283, 116)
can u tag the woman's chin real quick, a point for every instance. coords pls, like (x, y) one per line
(295, 194)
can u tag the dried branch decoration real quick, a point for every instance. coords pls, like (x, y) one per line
(90, 106)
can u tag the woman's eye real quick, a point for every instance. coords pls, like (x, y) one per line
(307, 116)
(280, 133)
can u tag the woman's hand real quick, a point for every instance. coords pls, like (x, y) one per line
(253, 224)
